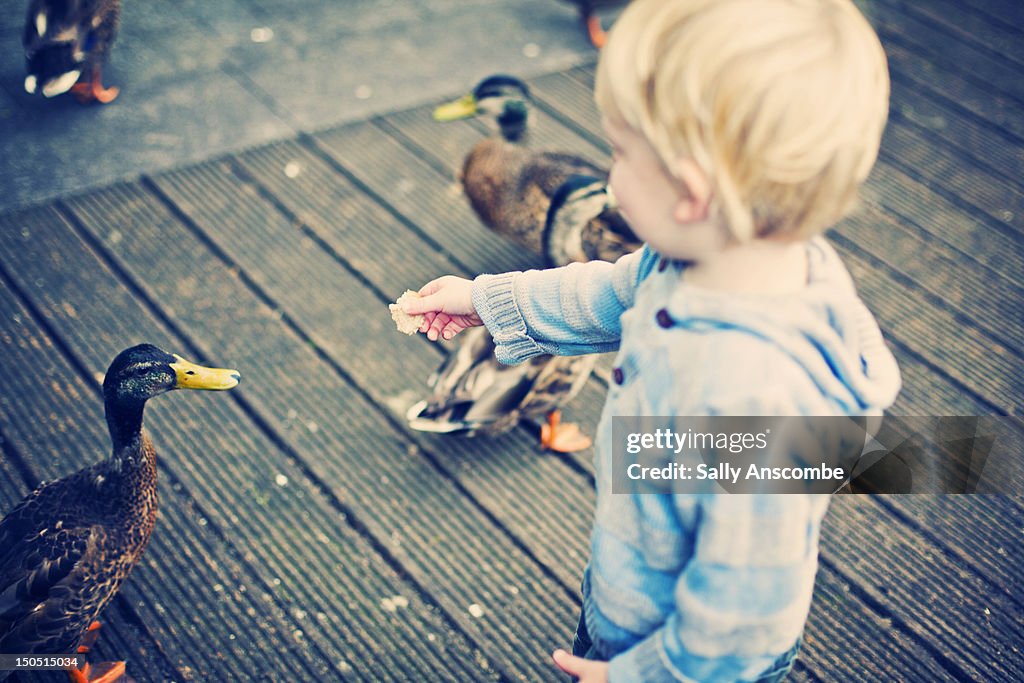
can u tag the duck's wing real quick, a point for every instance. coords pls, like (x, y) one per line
(47, 599)
(559, 380)
(473, 392)
(86, 25)
(510, 188)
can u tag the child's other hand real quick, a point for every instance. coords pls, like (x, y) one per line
(447, 304)
(586, 670)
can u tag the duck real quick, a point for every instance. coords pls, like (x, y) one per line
(67, 547)
(66, 45)
(588, 14)
(554, 204)
(473, 394)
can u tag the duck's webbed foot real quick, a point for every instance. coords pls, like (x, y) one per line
(594, 31)
(92, 634)
(92, 90)
(104, 672)
(562, 437)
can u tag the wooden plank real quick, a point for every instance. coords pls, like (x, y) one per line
(345, 442)
(906, 66)
(561, 93)
(976, 190)
(987, 72)
(441, 145)
(846, 640)
(974, 294)
(962, 22)
(324, 299)
(927, 391)
(296, 557)
(947, 124)
(942, 338)
(325, 207)
(1006, 13)
(930, 215)
(955, 610)
(444, 215)
(986, 530)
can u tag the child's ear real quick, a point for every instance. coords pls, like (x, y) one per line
(696, 198)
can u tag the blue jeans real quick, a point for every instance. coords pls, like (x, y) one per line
(582, 646)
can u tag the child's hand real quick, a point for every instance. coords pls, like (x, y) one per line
(447, 305)
(586, 670)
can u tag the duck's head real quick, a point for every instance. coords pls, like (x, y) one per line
(505, 98)
(144, 371)
(57, 48)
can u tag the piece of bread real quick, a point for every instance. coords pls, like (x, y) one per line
(408, 324)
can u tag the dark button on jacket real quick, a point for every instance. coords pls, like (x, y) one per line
(663, 318)
(618, 376)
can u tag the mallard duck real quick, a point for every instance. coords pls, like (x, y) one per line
(552, 203)
(592, 23)
(66, 44)
(472, 393)
(66, 548)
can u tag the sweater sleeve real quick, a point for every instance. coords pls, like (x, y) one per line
(565, 311)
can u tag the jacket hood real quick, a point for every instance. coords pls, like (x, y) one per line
(825, 328)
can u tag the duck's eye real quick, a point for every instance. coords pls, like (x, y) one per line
(191, 372)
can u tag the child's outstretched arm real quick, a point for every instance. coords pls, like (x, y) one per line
(570, 310)
(564, 311)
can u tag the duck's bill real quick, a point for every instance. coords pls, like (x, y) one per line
(192, 376)
(462, 108)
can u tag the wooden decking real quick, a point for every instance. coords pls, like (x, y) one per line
(306, 533)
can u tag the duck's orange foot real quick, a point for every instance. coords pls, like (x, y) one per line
(104, 672)
(594, 31)
(562, 437)
(93, 91)
(89, 639)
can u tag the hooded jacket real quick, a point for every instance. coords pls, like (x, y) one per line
(701, 587)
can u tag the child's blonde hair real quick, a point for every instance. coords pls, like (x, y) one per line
(780, 102)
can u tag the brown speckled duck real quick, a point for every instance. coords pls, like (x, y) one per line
(553, 204)
(67, 547)
(472, 393)
(66, 44)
